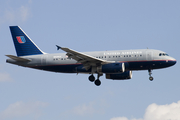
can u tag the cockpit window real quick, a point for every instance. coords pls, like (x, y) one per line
(163, 54)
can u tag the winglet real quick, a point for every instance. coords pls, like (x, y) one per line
(58, 47)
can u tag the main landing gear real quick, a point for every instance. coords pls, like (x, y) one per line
(96, 82)
(150, 73)
(91, 78)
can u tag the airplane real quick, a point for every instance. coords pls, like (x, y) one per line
(116, 65)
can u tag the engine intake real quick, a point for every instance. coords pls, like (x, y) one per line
(120, 76)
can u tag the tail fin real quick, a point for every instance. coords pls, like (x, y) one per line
(23, 44)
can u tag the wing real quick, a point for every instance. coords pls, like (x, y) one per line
(85, 59)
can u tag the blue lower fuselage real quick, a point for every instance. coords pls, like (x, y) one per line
(131, 65)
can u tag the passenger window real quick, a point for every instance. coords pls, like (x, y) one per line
(109, 56)
(160, 54)
(129, 55)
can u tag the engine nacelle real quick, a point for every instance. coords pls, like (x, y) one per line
(112, 68)
(120, 76)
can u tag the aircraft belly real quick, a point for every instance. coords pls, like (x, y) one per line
(59, 68)
(79, 68)
(145, 65)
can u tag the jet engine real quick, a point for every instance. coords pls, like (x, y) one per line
(112, 68)
(120, 76)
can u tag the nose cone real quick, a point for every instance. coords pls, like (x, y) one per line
(172, 61)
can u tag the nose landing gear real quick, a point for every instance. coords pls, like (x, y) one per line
(150, 73)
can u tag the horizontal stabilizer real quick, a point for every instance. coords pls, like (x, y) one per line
(20, 59)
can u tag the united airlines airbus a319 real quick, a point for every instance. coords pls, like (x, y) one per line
(116, 65)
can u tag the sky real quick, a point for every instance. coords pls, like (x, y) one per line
(94, 25)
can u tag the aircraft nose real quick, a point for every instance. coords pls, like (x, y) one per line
(172, 61)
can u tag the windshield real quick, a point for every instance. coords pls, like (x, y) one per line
(163, 54)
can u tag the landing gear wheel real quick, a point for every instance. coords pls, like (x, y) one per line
(91, 78)
(151, 78)
(97, 82)
(150, 73)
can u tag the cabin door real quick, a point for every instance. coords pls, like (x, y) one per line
(149, 55)
(43, 60)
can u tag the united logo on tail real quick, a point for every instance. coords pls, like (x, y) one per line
(21, 39)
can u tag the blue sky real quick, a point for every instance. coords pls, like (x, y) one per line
(90, 26)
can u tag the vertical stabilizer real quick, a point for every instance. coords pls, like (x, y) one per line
(23, 44)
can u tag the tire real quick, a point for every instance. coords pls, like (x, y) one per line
(97, 82)
(151, 78)
(91, 78)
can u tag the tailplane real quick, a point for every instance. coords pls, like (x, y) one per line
(23, 44)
